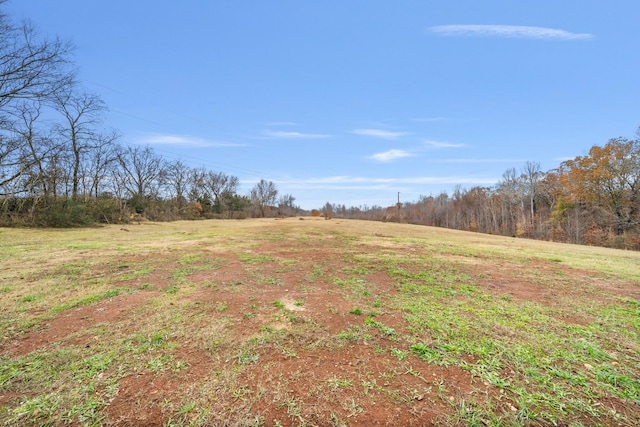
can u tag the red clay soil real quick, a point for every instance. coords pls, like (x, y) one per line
(141, 395)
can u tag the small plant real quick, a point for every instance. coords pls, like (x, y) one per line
(399, 354)
(336, 383)
(294, 408)
(246, 358)
(278, 304)
(384, 329)
(378, 349)
(159, 364)
(356, 311)
(289, 353)
(353, 408)
(426, 353)
(234, 283)
(269, 280)
(38, 408)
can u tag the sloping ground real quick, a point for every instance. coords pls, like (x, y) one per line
(312, 322)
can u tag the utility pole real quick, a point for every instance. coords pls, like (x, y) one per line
(399, 205)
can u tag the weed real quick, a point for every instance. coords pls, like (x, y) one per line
(336, 383)
(426, 353)
(221, 306)
(399, 354)
(378, 349)
(255, 259)
(385, 330)
(269, 280)
(351, 334)
(247, 357)
(39, 409)
(352, 408)
(294, 408)
(288, 352)
(233, 283)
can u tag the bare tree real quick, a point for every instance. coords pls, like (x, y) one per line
(510, 189)
(30, 68)
(285, 204)
(33, 148)
(179, 177)
(82, 113)
(102, 156)
(221, 188)
(142, 171)
(263, 195)
(531, 173)
(197, 186)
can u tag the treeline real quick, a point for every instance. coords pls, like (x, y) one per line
(592, 199)
(60, 166)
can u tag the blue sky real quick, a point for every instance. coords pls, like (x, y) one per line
(352, 101)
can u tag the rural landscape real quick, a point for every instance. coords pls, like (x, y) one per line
(311, 322)
(165, 274)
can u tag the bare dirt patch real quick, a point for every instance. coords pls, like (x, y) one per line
(290, 330)
(75, 321)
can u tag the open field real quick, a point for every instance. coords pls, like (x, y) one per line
(314, 323)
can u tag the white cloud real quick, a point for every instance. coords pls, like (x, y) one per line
(294, 135)
(563, 159)
(479, 160)
(379, 133)
(510, 31)
(358, 182)
(184, 140)
(388, 156)
(442, 144)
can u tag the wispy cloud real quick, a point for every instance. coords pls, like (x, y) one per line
(185, 141)
(562, 159)
(359, 182)
(294, 135)
(510, 31)
(388, 156)
(479, 160)
(379, 133)
(442, 144)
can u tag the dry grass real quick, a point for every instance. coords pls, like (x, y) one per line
(314, 322)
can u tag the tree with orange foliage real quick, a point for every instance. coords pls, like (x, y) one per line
(609, 177)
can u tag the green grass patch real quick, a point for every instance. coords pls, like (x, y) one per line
(555, 342)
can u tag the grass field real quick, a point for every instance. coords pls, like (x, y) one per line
(314, 323)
